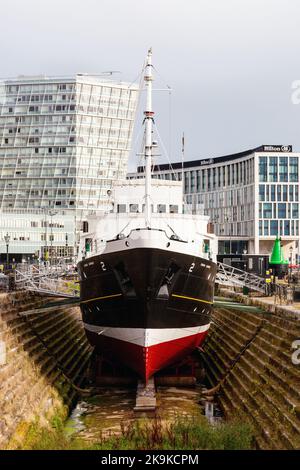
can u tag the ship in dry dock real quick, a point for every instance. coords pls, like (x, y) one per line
(147, 278)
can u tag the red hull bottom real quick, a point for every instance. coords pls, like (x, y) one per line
(146, 361)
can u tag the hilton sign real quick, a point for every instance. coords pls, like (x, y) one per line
(277, 148)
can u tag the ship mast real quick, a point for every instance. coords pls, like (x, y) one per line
(148, 113)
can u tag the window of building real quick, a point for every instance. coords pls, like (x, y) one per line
(198, 180)
(295, 211)
(263, 169)
(286, 227)
(203, 179)
(284, 192)
(193, 181)
(266, 227)
(278, 192)
(273, 227)
(283, 169)
(186, 182)
(214, 171)
(208, 179)
(267, 210)
(293, 169)
(228, 174)
(281, 211)
(273, 169)
(261, 192)
(291, 192)
(260, 228)
(280, 227)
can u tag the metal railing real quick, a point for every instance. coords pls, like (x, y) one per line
(231, 276)
(58, 280)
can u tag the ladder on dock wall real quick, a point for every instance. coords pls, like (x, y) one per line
(53, 280)
(231, 276)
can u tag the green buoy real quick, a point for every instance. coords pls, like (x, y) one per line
(277, 260)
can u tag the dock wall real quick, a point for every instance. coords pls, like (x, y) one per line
(43, 358)
(249, 354)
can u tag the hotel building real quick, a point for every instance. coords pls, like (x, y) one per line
(250, 196)
(63, 141)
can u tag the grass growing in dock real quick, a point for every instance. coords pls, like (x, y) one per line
(183, 434)
(189, 434)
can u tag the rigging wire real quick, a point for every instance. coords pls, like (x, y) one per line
(165, 151)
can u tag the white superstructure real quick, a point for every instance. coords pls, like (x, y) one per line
(127, 213)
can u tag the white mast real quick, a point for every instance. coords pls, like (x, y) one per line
(148, 137)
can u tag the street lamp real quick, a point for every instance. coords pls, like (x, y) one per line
(51, 213)
(7, 240)
(46, 255)
(67, 238)
(291, 263)
(227, 220)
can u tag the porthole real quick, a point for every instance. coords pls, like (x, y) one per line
(168, 244)
(127, 243)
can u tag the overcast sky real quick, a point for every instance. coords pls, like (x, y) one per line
(230, 63)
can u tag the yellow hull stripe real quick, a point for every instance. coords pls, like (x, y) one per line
(191, 298)
(101, 298)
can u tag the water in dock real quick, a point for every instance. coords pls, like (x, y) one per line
(106, 413)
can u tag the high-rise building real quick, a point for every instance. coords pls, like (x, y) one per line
(250, 196)
(63, 141)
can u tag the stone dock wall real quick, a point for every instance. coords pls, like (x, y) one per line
(250, 354)
(43, 358)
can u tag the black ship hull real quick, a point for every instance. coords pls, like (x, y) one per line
(146, 307)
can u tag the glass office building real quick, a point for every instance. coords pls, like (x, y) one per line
(251, 197)
(63, 141)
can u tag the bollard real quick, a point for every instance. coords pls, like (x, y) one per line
(289, 295)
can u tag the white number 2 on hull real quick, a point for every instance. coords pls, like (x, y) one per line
(192, 268)
(102, 266)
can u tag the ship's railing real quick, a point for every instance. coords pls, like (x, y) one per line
(231, 276)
